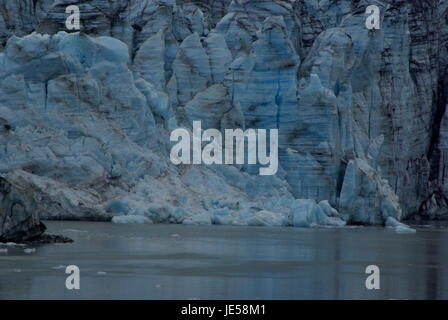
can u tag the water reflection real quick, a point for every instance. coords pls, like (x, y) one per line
(185, 262)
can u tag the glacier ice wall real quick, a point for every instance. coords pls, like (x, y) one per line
(85, 117)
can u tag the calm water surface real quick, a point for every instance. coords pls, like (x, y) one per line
(214, 262)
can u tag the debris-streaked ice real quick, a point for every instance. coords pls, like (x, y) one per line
(85, 117)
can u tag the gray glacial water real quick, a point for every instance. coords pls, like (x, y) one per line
(217, 262)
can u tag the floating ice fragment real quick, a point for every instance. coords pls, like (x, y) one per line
(74, 230)
(12, 244)
(58, 267)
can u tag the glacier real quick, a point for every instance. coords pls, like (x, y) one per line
(85, 117)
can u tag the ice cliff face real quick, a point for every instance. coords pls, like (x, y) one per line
(85, 117)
